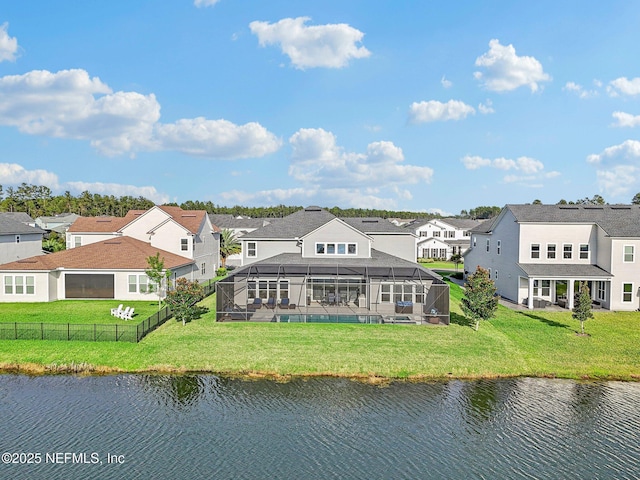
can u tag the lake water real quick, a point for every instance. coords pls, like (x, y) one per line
(203, 426)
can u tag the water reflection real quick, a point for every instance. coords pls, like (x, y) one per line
(203, 426)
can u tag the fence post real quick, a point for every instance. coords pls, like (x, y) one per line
(95, 336)
(116, 332)
(41, 331)
(68, 332)
(15, 328)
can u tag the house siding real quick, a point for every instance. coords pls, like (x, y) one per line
(29, 246)
(336, 231)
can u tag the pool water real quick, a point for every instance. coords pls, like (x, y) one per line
(328, 318)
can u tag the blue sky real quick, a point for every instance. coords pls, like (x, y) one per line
(423, 106)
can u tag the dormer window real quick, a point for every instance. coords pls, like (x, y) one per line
(184, 244)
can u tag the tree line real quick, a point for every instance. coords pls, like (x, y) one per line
(38, 200)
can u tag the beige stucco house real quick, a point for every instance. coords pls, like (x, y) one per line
(106, 257)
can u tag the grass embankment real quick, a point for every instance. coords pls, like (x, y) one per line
(537, 343)
(442, 266)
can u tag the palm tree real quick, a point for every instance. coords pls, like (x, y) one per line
(229, 245)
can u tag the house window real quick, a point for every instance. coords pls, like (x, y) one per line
(268, 289)
(19, 285)
(17, 238)
(551, 251)
(541, 288)
(567, 251)
(628, 253)
(443, 253)
(436, 233)
(449, 234)
(140, 284)
(535, 250)
(474, 240)
(466, 233)
(584, 251)
(184, 244)
(496, 274)
(489, 274)
(252, 249)
(401, 292)
(424, 234)
(499, 247)
(627, 292)
(77, 242)
(336, 248)
(203, 269)
(488, 245)
(601, 291)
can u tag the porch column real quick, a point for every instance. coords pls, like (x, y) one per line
(530, 299)
(570, 293)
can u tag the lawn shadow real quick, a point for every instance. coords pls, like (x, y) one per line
(551, 323)
(460, 320)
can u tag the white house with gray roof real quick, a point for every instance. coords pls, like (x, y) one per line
(442, 237)
(537, 254)
(316, 260)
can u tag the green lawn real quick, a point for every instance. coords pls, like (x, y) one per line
(537, 343)
(74, 311)
(442, 266)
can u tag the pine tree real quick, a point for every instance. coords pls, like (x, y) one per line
(480, 301)
(582, 309)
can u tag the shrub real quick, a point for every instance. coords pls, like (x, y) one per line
(221, 272)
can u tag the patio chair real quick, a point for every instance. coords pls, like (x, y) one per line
(128, 315)
(271, 303)
(331, 299)
(124, 312)
(116, 311)
(257, 303)
(284, 303)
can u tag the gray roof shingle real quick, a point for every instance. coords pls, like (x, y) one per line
(304, 221)
(615, 220)
(9, 226)
(566, 270)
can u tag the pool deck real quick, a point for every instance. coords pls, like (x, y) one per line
(387, 312)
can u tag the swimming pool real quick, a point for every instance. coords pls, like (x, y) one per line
(321, 318)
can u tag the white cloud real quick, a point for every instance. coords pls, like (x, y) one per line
(627, 150)
(626, 119)
(8, 45)
(71, 104)
(330, 46)
(205, 3)
(216, 138)
(326, 174)
(433, 110)
(529, 168)
(624, 86)
(446, 83)
(119, 190)
(618, 167)
(317, 159)
(617, 181)
(14, 174)
(486, 108)
(505, 71)
(580, 90)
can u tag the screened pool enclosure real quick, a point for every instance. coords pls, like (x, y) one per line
(273, 291)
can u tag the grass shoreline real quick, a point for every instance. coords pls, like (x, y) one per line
(514, 344)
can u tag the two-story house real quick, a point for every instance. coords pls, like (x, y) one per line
(107, 257)
(17, 239)
(538, 254)
(239, 226)
(320, 263)
(442, 238)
